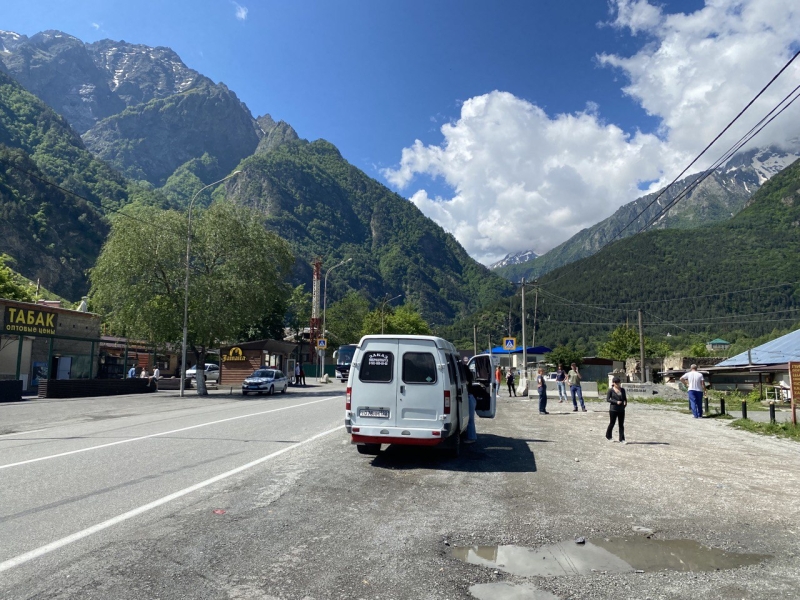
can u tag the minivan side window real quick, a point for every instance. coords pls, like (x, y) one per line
(376, 367)
(451, 369)
(419, 367)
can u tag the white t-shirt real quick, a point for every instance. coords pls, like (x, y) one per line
(695, 381)
(157, 373)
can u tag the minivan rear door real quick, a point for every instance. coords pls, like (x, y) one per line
(374, 384)
(483, 387)
(420, 398)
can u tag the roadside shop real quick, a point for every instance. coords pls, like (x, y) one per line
(237, 362)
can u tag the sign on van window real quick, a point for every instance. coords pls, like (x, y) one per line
(376, 367)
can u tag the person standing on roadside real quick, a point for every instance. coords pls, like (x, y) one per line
(561, 383)
(541, 387)
(303, 376)
(617, 401)
(498, 378)
(297, 375)
(510, 381)
(156, 375)
(574, 378)
(697, 386)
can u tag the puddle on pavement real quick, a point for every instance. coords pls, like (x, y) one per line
(504, 590)
(615, 555)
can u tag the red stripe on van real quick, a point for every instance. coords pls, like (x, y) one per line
(406, 441)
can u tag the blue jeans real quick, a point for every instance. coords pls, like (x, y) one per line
(576, 389)
(542, 399)
(562, 390)
(472, 434)
(696, 403)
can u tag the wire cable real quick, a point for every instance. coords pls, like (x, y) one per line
(719, 135)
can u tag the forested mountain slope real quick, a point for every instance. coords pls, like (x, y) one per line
(739, 275)
(326, 207)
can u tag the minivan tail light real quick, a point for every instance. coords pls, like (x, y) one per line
(447, 402)
(348, 397)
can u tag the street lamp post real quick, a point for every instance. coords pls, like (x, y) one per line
(325, 304)
(186, 283)
(383, 306)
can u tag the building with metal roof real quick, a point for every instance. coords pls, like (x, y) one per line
(779, 351)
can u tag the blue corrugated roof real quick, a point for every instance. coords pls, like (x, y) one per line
(778, 351)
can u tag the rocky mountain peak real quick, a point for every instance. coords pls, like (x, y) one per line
(514, 259)
(138, 73)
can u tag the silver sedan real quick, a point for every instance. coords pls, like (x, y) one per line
(265, 380)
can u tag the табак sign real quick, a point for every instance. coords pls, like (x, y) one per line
(29, 320)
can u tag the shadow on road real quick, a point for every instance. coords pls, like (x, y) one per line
(649, 443)
(490, 454)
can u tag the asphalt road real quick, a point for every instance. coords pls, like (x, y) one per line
(231, 498)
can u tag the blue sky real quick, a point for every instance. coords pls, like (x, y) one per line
(374, 76)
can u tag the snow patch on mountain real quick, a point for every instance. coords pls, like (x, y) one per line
(514, 259)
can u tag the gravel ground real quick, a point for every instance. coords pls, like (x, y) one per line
(326, 522)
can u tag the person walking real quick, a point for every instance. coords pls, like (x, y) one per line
(561, 383)
(541, 387)
(303, 376)
(697, 386)
(574, 378)
(156, 375)
(617, 401)
(510, 381)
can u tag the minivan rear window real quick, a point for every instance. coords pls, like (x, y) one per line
(376, 367)
(419, 367)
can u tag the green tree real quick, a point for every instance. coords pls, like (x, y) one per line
(9, 288)
(345, 318)
(698, 349)
(565, 355)
(623, 343)
(404, 320)
(298, 311)
(237, 273)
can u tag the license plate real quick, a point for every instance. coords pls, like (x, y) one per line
(379, 413)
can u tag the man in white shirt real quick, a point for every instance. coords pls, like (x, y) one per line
(697, 385)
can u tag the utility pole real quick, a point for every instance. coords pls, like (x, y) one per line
(475, 339)
(535, 307)
(641, 347)
(524, 343)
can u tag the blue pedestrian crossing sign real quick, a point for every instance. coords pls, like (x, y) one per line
(322, 344)
(509, 343)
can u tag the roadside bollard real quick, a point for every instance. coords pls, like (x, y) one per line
(772, 412)
(722, 406)
(706, 401)
(744, 409)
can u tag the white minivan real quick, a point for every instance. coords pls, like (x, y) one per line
(412, 389)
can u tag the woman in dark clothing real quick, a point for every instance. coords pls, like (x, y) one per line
(618, 401)
(512, 390)
(541, 387)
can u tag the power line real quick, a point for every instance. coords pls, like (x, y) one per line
(720, 134)
(724, 158)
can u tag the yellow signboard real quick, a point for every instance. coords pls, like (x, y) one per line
(29, 320)
(322, 343)
(235, 354)
(509, 343)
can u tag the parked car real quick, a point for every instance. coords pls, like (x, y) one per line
(211, 371)
(265, 380)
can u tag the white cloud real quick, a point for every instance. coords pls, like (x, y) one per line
(95, 25)
(523, 179)
(241, 11)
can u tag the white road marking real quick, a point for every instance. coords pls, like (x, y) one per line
(79, 535)
(22, 432)
(152, 435)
